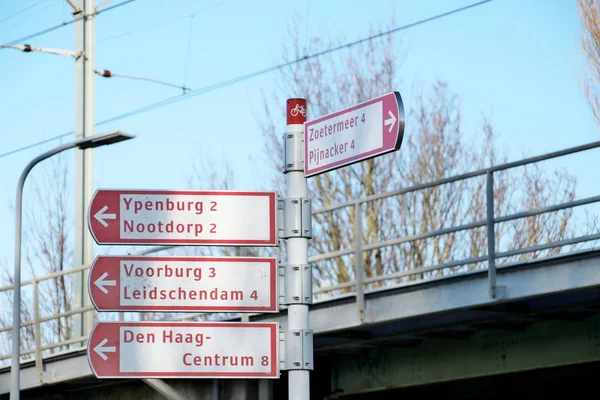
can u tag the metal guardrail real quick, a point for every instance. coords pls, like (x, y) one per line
(359, 285)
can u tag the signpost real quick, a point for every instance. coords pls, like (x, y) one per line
(184, 350)
(225, 284)
(184, 284)
(183, 217)
(354, 134)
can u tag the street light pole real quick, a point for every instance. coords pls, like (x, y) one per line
(86, 143)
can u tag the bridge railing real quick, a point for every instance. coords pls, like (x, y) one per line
(36, 326)
(356, 255)
(491, 221)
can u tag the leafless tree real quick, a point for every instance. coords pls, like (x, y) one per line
(47, 249)
(589, 14)
(434, 147)
(203, 175)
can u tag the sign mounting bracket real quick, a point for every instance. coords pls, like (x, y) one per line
(298, 344)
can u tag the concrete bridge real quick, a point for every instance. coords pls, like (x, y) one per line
(526, 326)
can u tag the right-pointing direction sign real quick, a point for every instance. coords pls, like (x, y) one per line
(363, 131)
(184, 284)
(184, 350)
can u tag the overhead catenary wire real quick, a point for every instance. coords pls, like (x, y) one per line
(27, 48)
(73, 6)
(63, 24)
(22, 11)
(228, 82)
(39, 33)
(306, 30)
(37, 12)
(189, 48)
(105, 73)
(161, 23)
(102, 5)
(131, 32)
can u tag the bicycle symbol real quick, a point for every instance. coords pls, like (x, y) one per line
(298, 109)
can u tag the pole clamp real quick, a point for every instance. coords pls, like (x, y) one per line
(297, 216)
(293, 143)
(298, 349)
(297, 284)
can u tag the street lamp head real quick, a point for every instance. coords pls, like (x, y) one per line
(103, 139)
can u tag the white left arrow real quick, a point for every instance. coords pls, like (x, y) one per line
(100, 349)
(102, 282)
(391, 121)
(101, 216)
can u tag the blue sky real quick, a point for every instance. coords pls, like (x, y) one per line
(518, 61)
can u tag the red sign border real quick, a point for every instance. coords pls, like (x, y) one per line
(273, 306)
(273, 230)
(364, 156)
(274, 373)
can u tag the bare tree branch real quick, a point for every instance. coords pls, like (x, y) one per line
(589, 14)
(434, 148)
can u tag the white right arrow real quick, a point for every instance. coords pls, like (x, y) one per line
(100, 349)
(390, 121)
(101, 282)
(101, 216)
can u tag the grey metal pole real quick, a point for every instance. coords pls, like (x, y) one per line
(297, 254)
(215, 390)
(16, 329)
(84, 162)
(359, 272)
(491, 235)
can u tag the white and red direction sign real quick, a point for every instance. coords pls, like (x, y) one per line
(184, 284)
(183, 217)
(363, 131)
(184, 350)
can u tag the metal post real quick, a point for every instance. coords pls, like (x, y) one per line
(359, 272)
(244, 252)
(36, 328)
(491, 236)
(265, 389)
(216, 390)
(84, 173)
(297, 250)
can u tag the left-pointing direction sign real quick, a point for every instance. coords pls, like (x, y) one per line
(183, 217)
(188, 284)
(184, 350)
